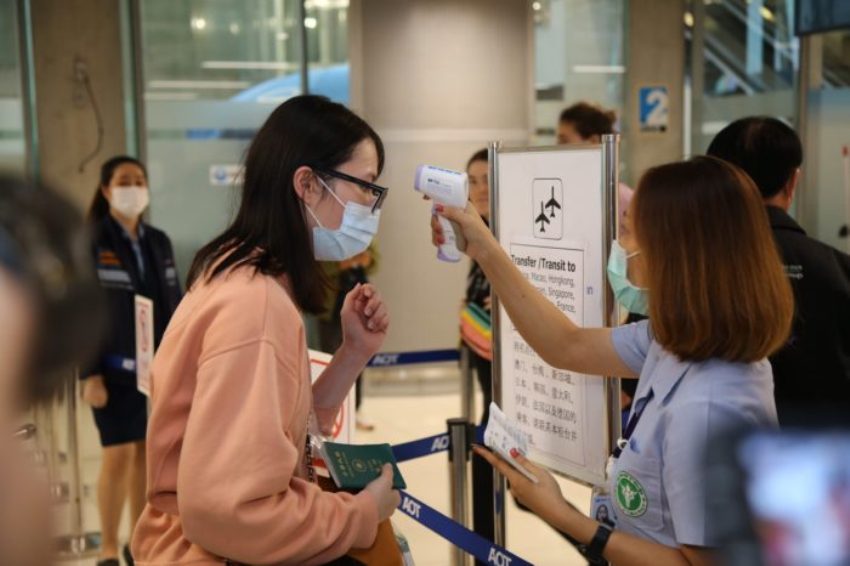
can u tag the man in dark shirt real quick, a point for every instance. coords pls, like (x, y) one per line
(813, 369)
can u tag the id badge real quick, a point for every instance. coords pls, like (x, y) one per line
(601, 504)
(601, 507)
(144, 343)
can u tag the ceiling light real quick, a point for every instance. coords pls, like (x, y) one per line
(200, 85)
(600, 69)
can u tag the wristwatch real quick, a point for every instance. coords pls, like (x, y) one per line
(594, 550)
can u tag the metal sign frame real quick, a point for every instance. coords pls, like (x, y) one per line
(611, 386)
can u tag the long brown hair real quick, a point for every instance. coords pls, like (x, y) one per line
(717, 288)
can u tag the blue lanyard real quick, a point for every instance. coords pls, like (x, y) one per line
(633, 421)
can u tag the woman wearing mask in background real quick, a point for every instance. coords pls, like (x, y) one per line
(475, 331)
(132, 258)
(230, 473)
(719, 304)
(584, 123)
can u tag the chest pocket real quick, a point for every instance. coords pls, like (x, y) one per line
(637, 491)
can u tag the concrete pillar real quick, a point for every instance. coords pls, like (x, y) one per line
(437, 80)
(72, 38)
(655, 56)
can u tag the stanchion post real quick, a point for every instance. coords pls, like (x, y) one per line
(75, 495)
(459, 447)
(467, 387)
(499, 486)
(610, 223)
(77, 543)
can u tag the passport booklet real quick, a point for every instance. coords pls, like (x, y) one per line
(353, 466)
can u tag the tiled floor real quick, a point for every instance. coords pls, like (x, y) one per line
(400, 418)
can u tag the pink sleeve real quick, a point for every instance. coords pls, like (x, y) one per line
(237, 493)
(326, 418)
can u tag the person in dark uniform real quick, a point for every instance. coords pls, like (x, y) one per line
(813, 369)
(132, 258)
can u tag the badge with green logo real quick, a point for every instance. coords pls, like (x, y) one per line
(631, 497)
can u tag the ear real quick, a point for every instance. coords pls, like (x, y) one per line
(106, 191)
(305, 185)
(793, 183)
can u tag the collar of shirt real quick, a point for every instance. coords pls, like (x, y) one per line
(781, 220)
(661, 378)
(126, 234)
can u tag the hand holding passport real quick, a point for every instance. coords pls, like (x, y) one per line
(354, 466)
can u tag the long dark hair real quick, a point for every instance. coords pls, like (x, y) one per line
(99, 207)
(269, 231)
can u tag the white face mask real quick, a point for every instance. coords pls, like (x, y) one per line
(130, 201)
(359, 226)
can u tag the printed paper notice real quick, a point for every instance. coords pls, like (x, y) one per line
(546, 402)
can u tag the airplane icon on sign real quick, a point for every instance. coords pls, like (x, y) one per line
(547, 199)
(542, 219)
(553, 204)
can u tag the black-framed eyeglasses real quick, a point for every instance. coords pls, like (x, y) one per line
(379, 192)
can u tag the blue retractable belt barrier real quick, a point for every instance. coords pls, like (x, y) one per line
(457, 534)
(390, 359)
(427, 446)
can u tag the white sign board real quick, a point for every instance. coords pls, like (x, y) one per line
(550, 221)
(343, 430)
(144, 343)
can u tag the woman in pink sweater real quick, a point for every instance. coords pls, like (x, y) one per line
(229, 463)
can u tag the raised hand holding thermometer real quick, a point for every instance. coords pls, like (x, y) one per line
(450, 188)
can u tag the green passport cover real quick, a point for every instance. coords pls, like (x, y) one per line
(353, 466)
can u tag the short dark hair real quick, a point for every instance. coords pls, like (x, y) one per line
(717, 288)
(99, 208)
(589, 119)
(46, 247)
(767, 149)
(270, 232)
(480, 155)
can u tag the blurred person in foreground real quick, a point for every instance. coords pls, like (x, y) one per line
(52, 316)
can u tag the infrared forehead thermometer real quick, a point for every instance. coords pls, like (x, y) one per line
(450, 188)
